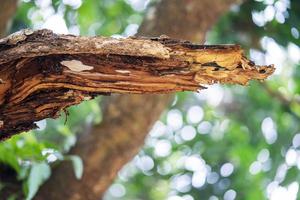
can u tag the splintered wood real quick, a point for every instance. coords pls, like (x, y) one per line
(42, 73)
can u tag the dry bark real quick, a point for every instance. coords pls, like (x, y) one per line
(42, 73)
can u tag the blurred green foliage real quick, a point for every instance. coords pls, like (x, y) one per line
(227, 142)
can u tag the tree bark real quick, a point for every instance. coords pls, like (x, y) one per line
(42, 73)
(128, 118)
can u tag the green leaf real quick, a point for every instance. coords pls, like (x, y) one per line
(12, 197)
(77, 165)
(38, 174)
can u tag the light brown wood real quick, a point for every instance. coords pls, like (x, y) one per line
(42, 73)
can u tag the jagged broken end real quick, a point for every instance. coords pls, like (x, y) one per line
(42, 73)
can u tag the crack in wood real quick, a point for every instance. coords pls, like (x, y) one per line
(42, 73)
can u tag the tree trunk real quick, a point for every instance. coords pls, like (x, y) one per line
(7, 10)
(128, 118)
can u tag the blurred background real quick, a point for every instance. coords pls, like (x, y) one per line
(225, 142)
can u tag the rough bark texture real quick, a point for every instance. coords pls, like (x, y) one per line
(42, 73)
(128, 118)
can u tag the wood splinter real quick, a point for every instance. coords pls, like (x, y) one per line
(42, 73)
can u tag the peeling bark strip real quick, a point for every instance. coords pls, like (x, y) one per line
(42, 73)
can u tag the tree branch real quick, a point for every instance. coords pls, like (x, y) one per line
(285, 102)
(43, 73)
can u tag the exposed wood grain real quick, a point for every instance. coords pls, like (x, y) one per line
(42, 73)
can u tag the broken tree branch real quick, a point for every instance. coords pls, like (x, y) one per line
(42, 73)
